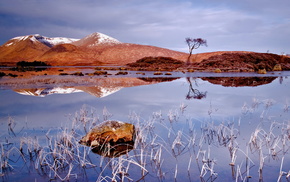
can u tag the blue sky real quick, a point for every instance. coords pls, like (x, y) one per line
(227, 25)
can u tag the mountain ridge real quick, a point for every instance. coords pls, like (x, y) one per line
(92, 50)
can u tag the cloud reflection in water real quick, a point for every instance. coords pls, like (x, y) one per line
(249, 105)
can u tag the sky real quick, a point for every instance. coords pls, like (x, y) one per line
(227, 25)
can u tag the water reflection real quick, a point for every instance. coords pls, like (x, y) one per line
(102, 87)
(220, 130)
(158, 79)
(239, 81)
(110, 138)
(98, 87)
(194, 93)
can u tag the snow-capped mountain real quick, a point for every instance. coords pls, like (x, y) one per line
(96, 39)
(50, 42)
(42, 92)
(95, 91)
(92, 50)
(101, 91)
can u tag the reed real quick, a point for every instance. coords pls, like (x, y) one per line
(157, 155)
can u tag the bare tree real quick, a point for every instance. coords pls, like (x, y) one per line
(194, 44)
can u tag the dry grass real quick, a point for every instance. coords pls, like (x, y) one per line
(184, 148)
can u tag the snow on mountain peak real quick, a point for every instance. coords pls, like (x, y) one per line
(55, 40)
(50, 42)
(42, 92)
(101, 39)
(48, 91)
(91, 40)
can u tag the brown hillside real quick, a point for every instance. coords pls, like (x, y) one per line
(122, 54)
(100, 49)
(24, 50)
(201, 56)
(69, 55)
(92, 50)
(117, 54)
(244, 61)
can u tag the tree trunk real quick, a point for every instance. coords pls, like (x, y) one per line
(188, 59)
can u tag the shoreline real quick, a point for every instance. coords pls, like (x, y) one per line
(38, 79)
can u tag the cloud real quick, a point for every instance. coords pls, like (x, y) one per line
(251, 25)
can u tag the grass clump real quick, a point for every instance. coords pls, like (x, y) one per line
(140, 73)
(34, 63)
(100, 72)
(190, 70)
(12, 75)
(63, 74)
(2, 74)
(23, 66)
(158, 73)
(122, 73)
(156, 63)
(78, 73)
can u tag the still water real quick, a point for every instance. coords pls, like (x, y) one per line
(229, 127)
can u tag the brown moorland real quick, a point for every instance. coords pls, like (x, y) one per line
(222, 61)
(99, 49)
(244, 61)
(156, 63)
(118, 54)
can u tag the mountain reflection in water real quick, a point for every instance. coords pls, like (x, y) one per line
(105, 86)
(99, 87)
(181, 136)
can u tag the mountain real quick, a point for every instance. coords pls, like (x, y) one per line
(21, 48)
(28, 48)
(95, 40)
(94, 49)
(50, 42)
(100, 49)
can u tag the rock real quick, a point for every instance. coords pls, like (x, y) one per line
(110, 138)
(217, 70)
(262, 71)
(277, 67)
(190, 70)
(158, 73)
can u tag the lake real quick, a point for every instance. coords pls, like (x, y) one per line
(189, 126)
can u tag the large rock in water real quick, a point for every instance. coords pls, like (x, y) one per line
(110, 138)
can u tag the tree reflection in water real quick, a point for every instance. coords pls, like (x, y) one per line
(194, 93)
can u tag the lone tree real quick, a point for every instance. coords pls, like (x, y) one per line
(194, 44)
